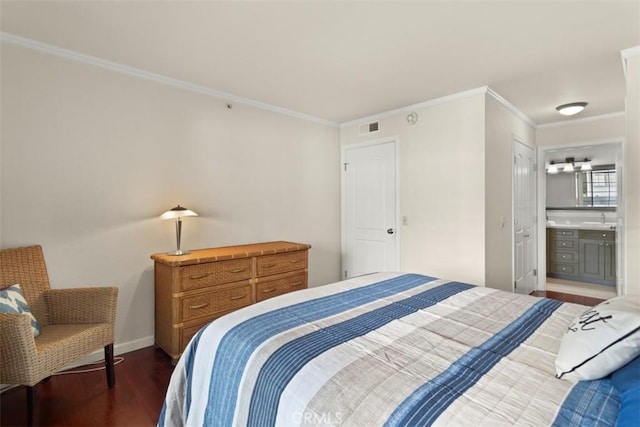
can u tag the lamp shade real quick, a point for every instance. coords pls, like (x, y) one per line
(177, 212)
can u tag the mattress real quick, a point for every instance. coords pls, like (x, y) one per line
(389, 349)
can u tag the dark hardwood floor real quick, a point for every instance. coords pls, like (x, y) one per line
(84, 399)
(576, 299)
(141, 381)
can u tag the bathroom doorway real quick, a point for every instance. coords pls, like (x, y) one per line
(583, 219)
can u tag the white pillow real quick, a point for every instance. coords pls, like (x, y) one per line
(600, 340)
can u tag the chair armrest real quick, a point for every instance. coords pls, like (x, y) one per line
(17, 349)
(82, 305)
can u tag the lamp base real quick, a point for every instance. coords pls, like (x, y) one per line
(179, 252)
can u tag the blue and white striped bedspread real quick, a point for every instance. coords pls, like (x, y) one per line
(385, 349)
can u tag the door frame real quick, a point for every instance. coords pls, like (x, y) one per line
(515, 139)
(542, 204)
(343, 213)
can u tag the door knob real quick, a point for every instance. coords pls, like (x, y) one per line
(390, 231)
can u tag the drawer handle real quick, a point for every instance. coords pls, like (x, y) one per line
(238, 270)
(269, 265)
(198, 276)
(293, 285)
(195, 307)
(293, 261)
(237, 297)
(266, 291)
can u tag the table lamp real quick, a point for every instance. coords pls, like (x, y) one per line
(177, 213)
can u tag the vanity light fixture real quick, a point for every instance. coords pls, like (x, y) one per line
(571, 109)
(177, 213)
(569, 164)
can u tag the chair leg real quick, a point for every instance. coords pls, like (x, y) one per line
(108, 361)
(30, 393)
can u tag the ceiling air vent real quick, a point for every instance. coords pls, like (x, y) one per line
(369, 128)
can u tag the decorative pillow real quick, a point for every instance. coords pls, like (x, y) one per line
(12, 301)
(626, 380)
(600, 340)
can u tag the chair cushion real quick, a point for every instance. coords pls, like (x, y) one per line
(12, 301)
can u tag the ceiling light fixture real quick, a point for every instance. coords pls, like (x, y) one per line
(571, 109)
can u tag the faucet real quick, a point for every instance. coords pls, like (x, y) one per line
(602, 217)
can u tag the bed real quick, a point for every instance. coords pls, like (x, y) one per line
(387, 349)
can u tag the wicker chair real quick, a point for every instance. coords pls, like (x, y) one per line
(74, 322)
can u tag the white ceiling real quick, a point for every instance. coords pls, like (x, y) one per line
(344, 60)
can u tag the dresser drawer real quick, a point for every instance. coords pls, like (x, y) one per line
(564, 268)
(565, 244)
(214, 302)
(563, 232)
(598, 234)
(273, 288)
(281, 263)
(188, 332)
(214, 273)
(565, 256)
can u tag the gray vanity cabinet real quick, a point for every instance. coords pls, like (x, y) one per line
(597, 255)
(582, 255)
(562, 253)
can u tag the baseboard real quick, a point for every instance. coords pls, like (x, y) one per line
(98, 355)
(118, 349)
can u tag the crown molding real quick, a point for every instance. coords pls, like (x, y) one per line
(509, 106)
(581, 120)
(482, 90)
(409, 108)
(625, 54)
(158, 78)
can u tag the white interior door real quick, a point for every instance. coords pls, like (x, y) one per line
(524, 218)
(369, 209)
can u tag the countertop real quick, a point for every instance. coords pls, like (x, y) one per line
(583, 225)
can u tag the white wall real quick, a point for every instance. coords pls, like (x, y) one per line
(632, 175)
(91, 157)
(441, 187)
(501, 127)
(575, 132)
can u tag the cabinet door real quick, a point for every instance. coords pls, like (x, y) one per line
(610, 261)
(591, 259)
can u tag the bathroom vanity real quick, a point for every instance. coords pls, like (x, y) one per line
(585, 253)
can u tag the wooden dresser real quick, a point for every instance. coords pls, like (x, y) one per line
(193, 289)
